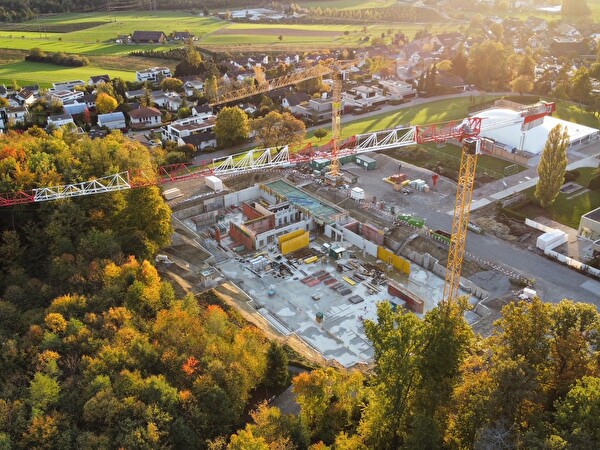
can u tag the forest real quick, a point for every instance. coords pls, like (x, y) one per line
(98, 352)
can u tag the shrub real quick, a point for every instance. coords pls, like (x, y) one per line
(571, 175)
(594, 182)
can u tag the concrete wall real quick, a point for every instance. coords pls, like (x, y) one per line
(428, 262)
(241, 236)
(538, 226)
(250, 212)
(573, 263)
(235, 198)
(261, 224)
(349, 236)
(372, 233)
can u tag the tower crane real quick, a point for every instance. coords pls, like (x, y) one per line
(467, 132)
(262, 85)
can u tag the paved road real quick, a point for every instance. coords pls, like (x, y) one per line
(554, 281)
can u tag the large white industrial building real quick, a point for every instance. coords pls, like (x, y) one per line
(497, 124)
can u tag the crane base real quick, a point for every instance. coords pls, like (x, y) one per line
(333, 180)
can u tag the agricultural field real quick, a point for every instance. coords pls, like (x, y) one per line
(26, 73)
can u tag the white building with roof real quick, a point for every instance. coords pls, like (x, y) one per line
(504, 126)
(112, 121)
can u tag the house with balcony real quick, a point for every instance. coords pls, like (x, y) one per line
(180, 129)
(12, 115)
(154, 74)
(145, 117)
(316, 110)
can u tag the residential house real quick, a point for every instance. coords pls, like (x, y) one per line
(398, 89)
(66, 85)
(93, 81)
(58, 120)
(535, 24)
(35, 88)
(90, 100)
(202, 111)
(316, 110)
(450, 81)
(145, 117)
(4, 91)
(193, 85)
(135, 94)
(65, 96)
(148, 37)
(179, 129)
(25, 97)
(182, 36)
(12, 115)
(168, 100)
(154, 74)
(364, 97)
(112, 121)
(201, 140)
(291, 101)
(75, 107)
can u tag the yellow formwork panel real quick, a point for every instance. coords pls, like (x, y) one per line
(350, 281)
(292, 235)
(294, 244)
(311, 260)
(398, 262)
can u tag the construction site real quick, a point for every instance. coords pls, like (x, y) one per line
(306, 242)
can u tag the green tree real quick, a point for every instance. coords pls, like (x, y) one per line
(232, 126)
(552, 166)
(276, 129)
(522, 84)
(44, 392)
(144, 223)
(276, 375)
(105, 103)
(171, 84)
(487, 65)
(320, 133)
(578, 415)
(581, 85)
(211, 89)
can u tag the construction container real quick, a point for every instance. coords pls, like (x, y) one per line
(170, 194)
(366, 163)
(346, 159)
(357, 193)
(319, 163)
(215, 183)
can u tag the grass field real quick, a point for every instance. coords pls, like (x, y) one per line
(26, 73)
(568, 208)
(348, 4)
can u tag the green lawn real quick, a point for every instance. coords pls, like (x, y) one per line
(347, 4)
(44, 74)
(574, 113)
(568, 208)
